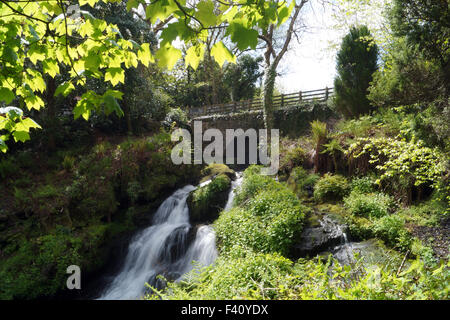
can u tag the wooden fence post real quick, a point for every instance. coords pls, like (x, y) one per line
(282, 100)
(300, 96)
(326, 94)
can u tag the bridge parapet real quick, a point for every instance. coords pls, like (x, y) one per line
(256, 104)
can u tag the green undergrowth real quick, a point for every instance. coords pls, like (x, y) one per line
(254, 238)
(70, 213)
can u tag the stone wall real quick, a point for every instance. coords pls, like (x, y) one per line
(292, 121)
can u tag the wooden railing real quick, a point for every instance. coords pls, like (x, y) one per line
(280, 101)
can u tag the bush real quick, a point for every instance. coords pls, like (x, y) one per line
(391, 229)
(331, 187)
(373, 205)
(269, 221)
(68, 163)
(8, 168)
(235, 276)
(300, 181)
(363, 185)
(293, 158)
(253, 183)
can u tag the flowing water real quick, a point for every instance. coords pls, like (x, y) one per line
(167, 248)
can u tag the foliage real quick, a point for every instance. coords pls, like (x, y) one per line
(240, 78)
(302, 182)
(68, 163)
(331, 187)
(391, 228)
(56, 41)
(400, 162)
(365, 184)
(356, 63)
(259, 276)
(253, 183)
(291, 159)
(425, 24)
(207, 201)
(177, 117)
(39, 266)
(406, 78)
(372, 205)
(268, 221)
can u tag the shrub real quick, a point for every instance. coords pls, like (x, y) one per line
(267, 222)
(235, 276)
(391, 229)
(252, 184)
(68, 163)
(402, 165)
(369, 205)
(293, 158)
(363, 185)
(300, 181)
(8, 168)
(331, 187)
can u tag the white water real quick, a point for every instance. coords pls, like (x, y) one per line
(164, 248)
(234, 185)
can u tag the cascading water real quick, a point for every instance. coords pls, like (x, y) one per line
(234, 185)
(168, 248)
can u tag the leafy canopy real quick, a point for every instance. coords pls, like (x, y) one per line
(44, 39)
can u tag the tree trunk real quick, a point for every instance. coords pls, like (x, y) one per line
(267, 96)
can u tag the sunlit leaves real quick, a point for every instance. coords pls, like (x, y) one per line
(167, 56)
(194, 54)
(6, 95)
(64, 89)
(205, 13)
(115, 75)
(46, 41)
(243, 36)
(145, 55)
(91, 101)
(16, 126)
(222, 54)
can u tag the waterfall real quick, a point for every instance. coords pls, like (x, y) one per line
(167, 248)
(234, 185)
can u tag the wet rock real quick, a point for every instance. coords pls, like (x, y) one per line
(177, 244)
(372, 251)
(322, 233)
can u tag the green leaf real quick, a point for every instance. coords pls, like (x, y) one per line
(50, 67)
(90, 2)
(65, 88)
(168, 56)
(21, 136)
(242, 36)
(222, 54)
(9, 55)
(6, 95)
(205, 13)
(194, 54)
(115, 75)
(145, 55)
(111, 105)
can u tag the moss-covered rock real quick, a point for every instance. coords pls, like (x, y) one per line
(216, 169)
(206, 202)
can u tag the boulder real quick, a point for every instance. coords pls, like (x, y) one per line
(322, 233)
(206, 202)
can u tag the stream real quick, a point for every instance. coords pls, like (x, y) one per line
(168, 248)
(172, 247)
